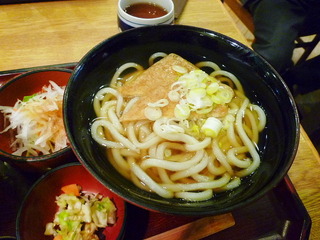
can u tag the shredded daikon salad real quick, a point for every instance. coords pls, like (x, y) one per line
(37, 121)
(80, 215)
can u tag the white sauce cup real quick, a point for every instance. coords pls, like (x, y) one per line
(127, 21)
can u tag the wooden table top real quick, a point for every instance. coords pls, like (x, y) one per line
(56, 32)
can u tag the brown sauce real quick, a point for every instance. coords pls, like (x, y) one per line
(146, 10)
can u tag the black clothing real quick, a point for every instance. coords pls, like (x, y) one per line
(277, 25)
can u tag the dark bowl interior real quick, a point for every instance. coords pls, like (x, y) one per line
(39, 207)
(262, 84)
(27, 84)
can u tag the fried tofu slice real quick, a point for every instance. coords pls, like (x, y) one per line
(152, 85)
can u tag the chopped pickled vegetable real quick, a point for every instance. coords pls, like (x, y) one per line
(79, 217)
(72, 189)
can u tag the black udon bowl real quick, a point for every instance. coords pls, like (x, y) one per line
(262, 84)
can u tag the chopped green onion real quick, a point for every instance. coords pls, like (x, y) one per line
(179, 69)
(174, 96)
(211, 127)
(182, 111)
(153, 113)
(223, 95)
(212, 88)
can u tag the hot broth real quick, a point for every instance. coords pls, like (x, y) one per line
(146, 10)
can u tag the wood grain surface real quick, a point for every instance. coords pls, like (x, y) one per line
(305, 175)
(55, 32)
(197, 229)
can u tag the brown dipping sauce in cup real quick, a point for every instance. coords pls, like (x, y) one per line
(146, 10)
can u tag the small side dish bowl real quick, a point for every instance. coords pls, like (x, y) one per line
(27, 84)
(39, 206)
(277, 145)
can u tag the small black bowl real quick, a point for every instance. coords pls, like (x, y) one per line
(261, 82)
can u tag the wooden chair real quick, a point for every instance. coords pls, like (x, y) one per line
(246, 18)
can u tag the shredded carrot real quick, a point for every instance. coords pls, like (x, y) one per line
(72, 189)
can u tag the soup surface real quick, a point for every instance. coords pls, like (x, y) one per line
(146, 10)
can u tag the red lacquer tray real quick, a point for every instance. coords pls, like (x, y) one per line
(280, 214)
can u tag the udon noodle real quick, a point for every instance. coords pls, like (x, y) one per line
(191, 155)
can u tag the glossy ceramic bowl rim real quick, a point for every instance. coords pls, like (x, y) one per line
(41, 157)
(159, 206)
